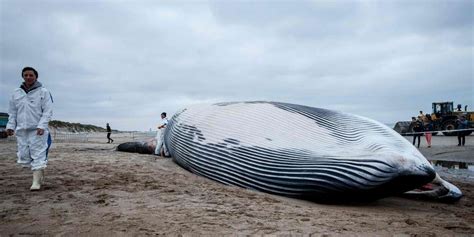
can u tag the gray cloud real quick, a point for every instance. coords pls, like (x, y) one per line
(125, 62)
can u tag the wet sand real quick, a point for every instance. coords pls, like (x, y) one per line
(445, 148)
(91, 189)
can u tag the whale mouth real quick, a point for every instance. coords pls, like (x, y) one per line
(436, 190)
(404, 182)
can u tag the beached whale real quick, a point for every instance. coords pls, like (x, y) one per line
(298, 151)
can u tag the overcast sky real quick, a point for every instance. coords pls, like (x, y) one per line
(125, 62)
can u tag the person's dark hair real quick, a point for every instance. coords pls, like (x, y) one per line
(164, 114)
(29, 69)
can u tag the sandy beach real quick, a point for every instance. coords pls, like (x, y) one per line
(91, 189)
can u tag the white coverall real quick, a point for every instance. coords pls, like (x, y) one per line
(160, 138)
(27, 112)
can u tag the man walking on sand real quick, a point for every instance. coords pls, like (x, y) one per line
(30, 110)
(109, 131)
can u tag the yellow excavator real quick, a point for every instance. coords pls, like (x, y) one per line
(444, 118)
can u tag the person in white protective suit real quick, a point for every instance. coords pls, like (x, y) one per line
(160, 137)
(30, 111)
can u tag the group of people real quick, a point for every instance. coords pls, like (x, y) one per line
(423, 124)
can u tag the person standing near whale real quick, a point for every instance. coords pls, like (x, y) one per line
(417, 129)
(30, 110)
(428, 127)
(160, 136)
(462, 123)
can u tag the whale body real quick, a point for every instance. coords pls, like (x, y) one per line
(295, 151)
